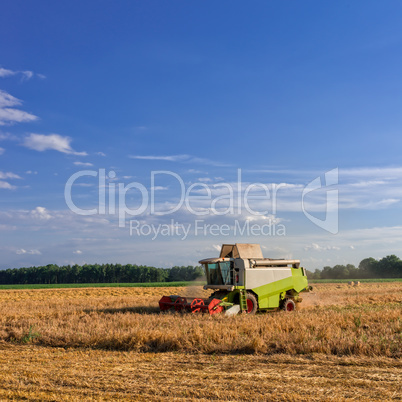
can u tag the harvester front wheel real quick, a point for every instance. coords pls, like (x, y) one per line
(252, 304)
(289, 305)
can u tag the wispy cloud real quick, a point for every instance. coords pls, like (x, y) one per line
(6, 186)
(100, 154)
(205, 179)
(2, 150)
(40, 213)
(317, 247)
(41, 218)
(56, 142)
(8, 113)
(8, 100)
(25, 74)
(5, 176)
(183, 158)
(382, 173)
(8, 137)
(83, 164)
(23, 251)
(9, 175)
(159, 188)
(6, 73)
(170, 158)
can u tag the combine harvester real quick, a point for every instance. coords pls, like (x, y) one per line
(244, 281)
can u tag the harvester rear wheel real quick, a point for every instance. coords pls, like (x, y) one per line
(289, 305)
(252, 304)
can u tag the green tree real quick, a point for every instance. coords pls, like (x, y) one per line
(388, 267)
(367, 267)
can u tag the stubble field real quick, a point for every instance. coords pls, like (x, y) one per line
(112, 343)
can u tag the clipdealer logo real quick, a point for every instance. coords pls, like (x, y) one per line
(233, 199)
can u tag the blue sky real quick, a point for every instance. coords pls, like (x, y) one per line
(283, 91)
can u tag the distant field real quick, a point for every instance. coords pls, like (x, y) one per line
(103, 285)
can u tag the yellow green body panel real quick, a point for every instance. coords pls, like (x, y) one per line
(269, 294)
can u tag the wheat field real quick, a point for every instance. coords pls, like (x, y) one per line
(113, 343)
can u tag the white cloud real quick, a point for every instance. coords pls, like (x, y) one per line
(378, 173)
(41, 142)
(23, 251)
(6, 73)
(8, 136)
(7, 100)
(170, 158)
(83, 164)
(84, 184)
(5, 176)
(100, 154)
(178, 158)
(25, 75)
(317, 247)
(8, 114)
(9, 175)
(31, 172)
(2, 150)
(6, 185)
(158, 188)
(58, 221)
(40, 213)
(77, 252)
(373, 172)
(367, 183)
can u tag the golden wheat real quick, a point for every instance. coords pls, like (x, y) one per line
(88, 344)
(37, 373)
(335, 320)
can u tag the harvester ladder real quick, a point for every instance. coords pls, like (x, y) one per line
(243, 300)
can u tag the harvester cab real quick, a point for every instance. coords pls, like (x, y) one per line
(243, 280)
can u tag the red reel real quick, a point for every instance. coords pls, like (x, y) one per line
(197, 305)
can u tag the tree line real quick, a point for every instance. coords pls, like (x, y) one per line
(98, 273)
(387, 267)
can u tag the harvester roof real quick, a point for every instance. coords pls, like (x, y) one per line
(251, 252)
(241, 250)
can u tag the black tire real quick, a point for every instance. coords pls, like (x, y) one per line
(252, 304)
(289, 305)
